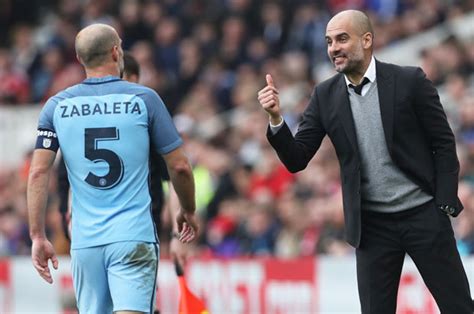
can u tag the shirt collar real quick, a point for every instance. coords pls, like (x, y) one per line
(370, 73)
(99, 80)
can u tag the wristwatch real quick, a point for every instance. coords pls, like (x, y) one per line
(448, 210)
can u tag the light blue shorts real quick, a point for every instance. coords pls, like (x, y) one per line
(119, 276)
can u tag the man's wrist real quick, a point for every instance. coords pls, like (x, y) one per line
(276, 121)
(189, 212)
(37, 237)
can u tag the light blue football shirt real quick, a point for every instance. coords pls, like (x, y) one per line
(104, 127)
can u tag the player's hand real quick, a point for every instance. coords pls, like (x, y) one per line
(187, 226)
(41, 252)
(268, 98)
(178, 251)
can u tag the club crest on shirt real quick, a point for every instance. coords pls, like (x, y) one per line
(46, 143)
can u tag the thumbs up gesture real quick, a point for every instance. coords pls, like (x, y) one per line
(268, 99)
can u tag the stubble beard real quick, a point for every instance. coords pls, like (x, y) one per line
(354, 60)
(354, 64)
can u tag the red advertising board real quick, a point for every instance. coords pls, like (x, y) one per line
(249, 286)
(239, 286)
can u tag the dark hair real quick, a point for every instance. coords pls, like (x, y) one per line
(130, 65)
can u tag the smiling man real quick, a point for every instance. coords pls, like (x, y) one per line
(399, 168)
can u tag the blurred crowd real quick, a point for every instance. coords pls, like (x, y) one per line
(207, 60)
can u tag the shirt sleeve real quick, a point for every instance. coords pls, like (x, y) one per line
(274, 128)
(46, 133)
(163, 132)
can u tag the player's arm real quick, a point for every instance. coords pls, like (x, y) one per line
(178, 249)
(37, 196)
(181, 176)
(168, 143)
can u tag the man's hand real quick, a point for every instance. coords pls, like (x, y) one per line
(178, 251)
(268, 98)
(187, 226)
(41, 252)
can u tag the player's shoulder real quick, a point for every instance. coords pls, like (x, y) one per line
(142, 90)
(149, 96)
(136, 89)
(69, 92)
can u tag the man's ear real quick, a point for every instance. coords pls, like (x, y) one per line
(367, 40)
(79, 59)
(115, 53)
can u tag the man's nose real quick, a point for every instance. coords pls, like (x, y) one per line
(333, 48)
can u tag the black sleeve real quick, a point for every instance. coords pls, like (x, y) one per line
(296, 152)
(443, 145)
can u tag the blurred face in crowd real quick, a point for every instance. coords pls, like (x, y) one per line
(5, 60)
(349, 43)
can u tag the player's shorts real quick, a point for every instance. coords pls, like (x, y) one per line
(119, 276)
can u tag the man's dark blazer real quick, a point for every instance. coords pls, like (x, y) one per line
(418, 136)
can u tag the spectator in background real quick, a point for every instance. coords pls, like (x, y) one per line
(273, 27)
(259, 231)
(166, 49)
(54, 73)
(133, 27)
(222, 236)
(205, 34)
(308, 23)
(25, 52)
(190, 65)
(231, 50)
(14, 85)
(97, 11)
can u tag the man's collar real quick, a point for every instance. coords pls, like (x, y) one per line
(100, 80)
(370, 73)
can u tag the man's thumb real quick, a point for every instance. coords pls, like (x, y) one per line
(55, 261)
(269, 79)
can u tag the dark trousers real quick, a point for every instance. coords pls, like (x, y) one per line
(426, 234)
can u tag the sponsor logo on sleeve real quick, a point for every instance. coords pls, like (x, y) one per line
(46, 133)
(46, 143)
(47, 139)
